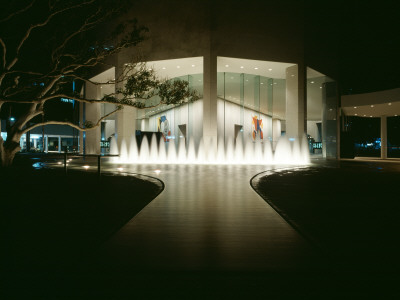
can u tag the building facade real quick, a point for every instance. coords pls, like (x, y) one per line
(247, 63)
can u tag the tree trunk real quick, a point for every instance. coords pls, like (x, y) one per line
(7, 152)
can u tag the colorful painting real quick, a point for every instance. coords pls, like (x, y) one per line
(256, 126)
(163, 127)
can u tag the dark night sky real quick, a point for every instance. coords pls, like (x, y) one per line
(364, 37)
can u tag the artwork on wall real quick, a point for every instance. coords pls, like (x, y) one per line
(256, 128)
(163, 127)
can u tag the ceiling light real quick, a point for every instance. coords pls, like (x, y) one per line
(262, 82)
(395, 115)
(255, 68)
(355, 114)
(157, 171)
(178, 67)
(312, 81)
(227, 66)
(365, 115)
(372, 106)
(193, 65)
(292, 75)
(269, 69)
(370, 116)
(389, 103)
(241, 67)
(163, 68)
(355, 106)
(320, 87)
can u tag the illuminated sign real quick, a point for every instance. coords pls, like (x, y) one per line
(317, 145)
(104, 144)
(67, 100)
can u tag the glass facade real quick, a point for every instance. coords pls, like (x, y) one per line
(393, 136)
(174, 123)
(248, 104)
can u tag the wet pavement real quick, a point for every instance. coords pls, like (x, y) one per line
(207, 218)
(207, 222)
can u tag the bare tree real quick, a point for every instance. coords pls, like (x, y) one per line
(45, 46)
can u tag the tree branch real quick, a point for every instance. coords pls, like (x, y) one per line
(71, 124)
(18, 12)
(4, 52)
(44, 23)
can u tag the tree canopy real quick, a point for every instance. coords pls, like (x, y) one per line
(46, 46)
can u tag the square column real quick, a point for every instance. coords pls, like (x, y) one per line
(125, 122)
(210, 124)
(295, 102)
(384, 137)
(92, 114)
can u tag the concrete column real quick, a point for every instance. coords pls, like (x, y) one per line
(125, 123)
(92, 114)
(82, 117)
(295, 102)
(384, 137)
(276, 132)
(210, 130)
(329, 121)
(59, 144)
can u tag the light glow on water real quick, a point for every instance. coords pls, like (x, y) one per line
(288, 151)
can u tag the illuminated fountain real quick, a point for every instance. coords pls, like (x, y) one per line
(288, 151)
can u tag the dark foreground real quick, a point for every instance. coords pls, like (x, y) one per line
(50, 224)
(53, 226)
(350, 211)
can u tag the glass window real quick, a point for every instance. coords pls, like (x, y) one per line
(393, 136)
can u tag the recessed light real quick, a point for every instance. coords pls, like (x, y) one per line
(395, 115)
(241, 67)
(270, 69)
(372, 106)
(227, 66)
(389, 103)
(163, 68)
(262, 82)
(312, 81)
(320, 87)
(255, 68)
(355, 114)
(355, 106)
(292, 75)
(178, 67)
(370, 116)
(365, 115)
(193, 65)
